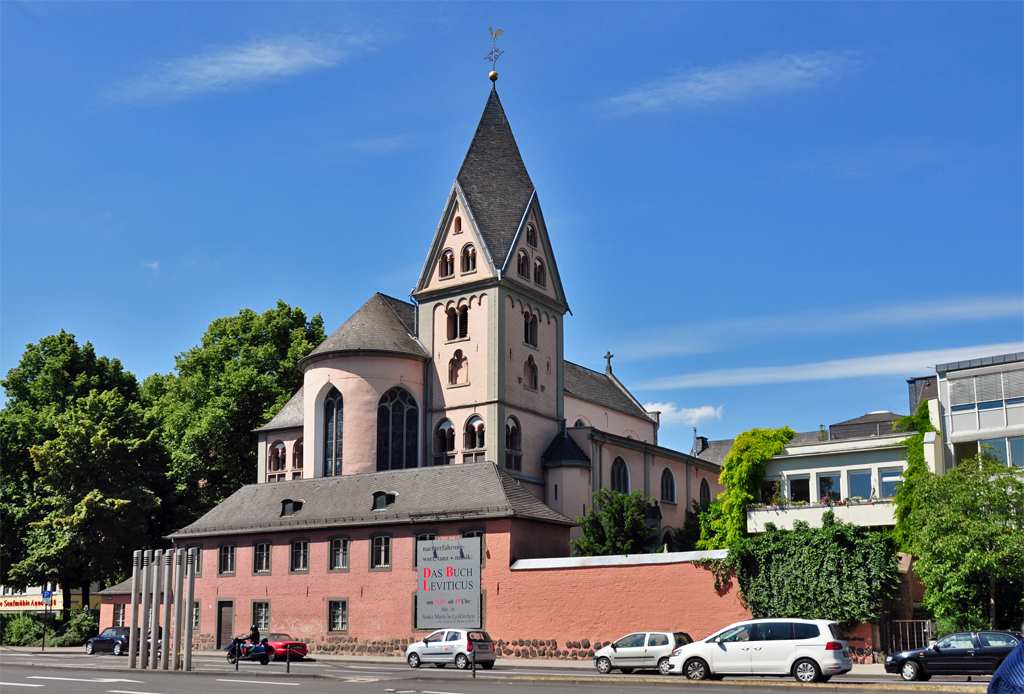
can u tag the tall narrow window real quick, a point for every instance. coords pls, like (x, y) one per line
(337, 615)
(261, 615)
(469, 259)
(620, 476)
(474, 440)
(278, 461)
(513, 445)
(119, 614)
(523, 264)
(457, 227)
(530, 374)
(297, 460)
(531, 236)
(458, 323)
(380, 553)
(530, 325)
(444, 443)
(539, 275)
(705, 493)
(339, 554)
(261, 558)
(226, 560)
(300, 556)
(446, 266)
(397, 430)
(334, 420)
(458, 369)
(668, 486)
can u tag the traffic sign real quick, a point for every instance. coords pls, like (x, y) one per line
(47, 597)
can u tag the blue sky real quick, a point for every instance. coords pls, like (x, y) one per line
(772, 213)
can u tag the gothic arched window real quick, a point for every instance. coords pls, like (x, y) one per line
(513, 445)
(705, 493)
(297, 460)
(458, 369)
(530, 328)
(620, 476)
(474, 440)
(539, 276)
(446, 267)
(530, 373)
(531, 236)
(444, 443)
(581, 423)
(469, 258)
(523, 264)
(668, 486)
(398, 427)
(334, 424)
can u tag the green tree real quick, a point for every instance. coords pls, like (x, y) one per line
(917, 469)
(51, 377)
(969, 539)
(839, 571)
(239, 376)
(615, 525)
(742, 475)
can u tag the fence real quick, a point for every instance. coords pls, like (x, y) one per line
(908, 634)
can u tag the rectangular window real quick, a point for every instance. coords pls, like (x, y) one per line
(997, 450)
(337, 615)
(300, 556)
(119, 614)
(480, 534)
(964, 451)
(195, 616)
(800, 489)
(261, 558)
(891, 479)
(339, 554)
(380, 553)
(226, 563)
(261, 615)
(199, 558)
(859, 482)
(828, 487)
(1017, 451)
(513, 461)
(426, 537)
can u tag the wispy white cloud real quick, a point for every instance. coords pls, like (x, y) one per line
(736, 81)
(228, 67)
(905, 364)
(672, 414)
(720, 335)
(155, 265)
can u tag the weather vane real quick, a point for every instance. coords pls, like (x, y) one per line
(495, 53)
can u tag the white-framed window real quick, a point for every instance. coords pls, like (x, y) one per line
(226, 559)
(380, 552)
(800, 489)
(300, 556)
(261, 615)
(338, 554)
(337, 615)
(118, 614)
(261, 558)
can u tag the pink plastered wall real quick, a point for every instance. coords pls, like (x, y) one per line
(545, 356)
(534, 253)
(294, 464)
(608, 420)
(456, 242)
(537, 434)
(472, 387)
(362, 381)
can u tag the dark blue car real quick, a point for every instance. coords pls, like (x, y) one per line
(964, 653)
(112, 640)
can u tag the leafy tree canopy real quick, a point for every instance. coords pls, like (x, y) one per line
(969, 537)
(917, 469)
(239, 376)
(839, 571)
(615, 525)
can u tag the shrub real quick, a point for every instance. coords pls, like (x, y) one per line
(24, 630)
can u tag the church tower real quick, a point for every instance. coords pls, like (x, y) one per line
(491, 306)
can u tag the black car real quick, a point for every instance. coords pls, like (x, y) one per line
(113, 639)
(964, 653)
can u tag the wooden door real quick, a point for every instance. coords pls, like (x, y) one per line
(225, 623)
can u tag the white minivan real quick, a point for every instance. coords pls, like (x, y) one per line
(811, 650)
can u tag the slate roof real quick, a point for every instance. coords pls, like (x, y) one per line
(717, 450)
(494, 180)
(289, 416)
(471, 491)
(600, 389)
(564, 449)
(383, 324)
(871, 424)
(122, 588)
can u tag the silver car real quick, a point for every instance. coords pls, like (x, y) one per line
(459, 646)
(644, 649)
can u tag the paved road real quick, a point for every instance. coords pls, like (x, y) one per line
(77, 673)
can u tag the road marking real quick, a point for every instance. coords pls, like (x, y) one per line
(368, 667)
(126, 691)
(101, 680)
(18, 684)
(283, 684)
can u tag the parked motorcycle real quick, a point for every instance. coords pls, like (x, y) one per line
(241, 650)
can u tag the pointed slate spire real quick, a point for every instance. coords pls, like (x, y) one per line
(495, 181)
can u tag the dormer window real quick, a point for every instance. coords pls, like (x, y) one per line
(381, 500)
(523, 264)
(289, 507)
(446, 268)
(531, 236)
(539, 276)
(469, 258)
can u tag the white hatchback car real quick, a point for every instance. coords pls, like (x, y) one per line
(811, 650)
(460, 646)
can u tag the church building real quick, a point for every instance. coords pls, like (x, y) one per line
(472, 369)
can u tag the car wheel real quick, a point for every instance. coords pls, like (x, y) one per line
(626, 670)
(696, 669)
(118, 649)
(664, 667)
(488, 665)
(604, 666)
(89, 648)
(910, 671)
(461, 661)
(806, 671)
(413, 660)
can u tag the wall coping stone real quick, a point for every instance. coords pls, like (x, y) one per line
(617, 560)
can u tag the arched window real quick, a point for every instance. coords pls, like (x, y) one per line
(444, 443)
(469, 259)
(458, 369)
(523, 264)
(446, 268)
(513, 445)
(530, 328)
(474, 440)
(398, 427)
(531, 236)
(297, 460)
(705, 493)
(581, 423)
(458, 322)
(668, 486)
(276, 463)
(530, 373)
(620, 476)
(458, 225)
(668, 540)
(538, 273)
(334, 421)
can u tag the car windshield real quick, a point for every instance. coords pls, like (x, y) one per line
(108, 633)
(479, 636)
(631, 641)
(436, 636)
(279, 637)
(956, 641)
(740, 633)
(682, 638)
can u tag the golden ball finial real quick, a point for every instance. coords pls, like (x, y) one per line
(493, 76)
